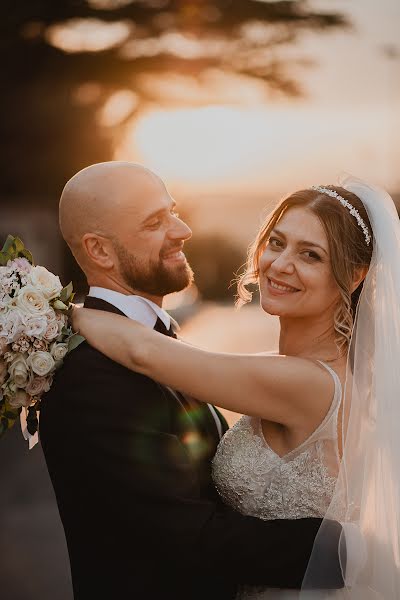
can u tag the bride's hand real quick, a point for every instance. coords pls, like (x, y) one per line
(78, 317)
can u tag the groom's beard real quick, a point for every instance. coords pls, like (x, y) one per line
(156, 279)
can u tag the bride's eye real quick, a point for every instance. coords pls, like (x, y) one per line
(275, 242)
(311, 255)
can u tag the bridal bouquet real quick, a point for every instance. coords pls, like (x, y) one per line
(34, 334)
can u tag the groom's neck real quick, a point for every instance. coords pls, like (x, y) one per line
(120, 286)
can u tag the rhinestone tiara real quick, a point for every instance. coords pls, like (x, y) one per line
(353, 211)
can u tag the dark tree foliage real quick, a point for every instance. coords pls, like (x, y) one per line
(216, 263)
(47, 136)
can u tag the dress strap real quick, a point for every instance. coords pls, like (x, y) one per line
(338, 385)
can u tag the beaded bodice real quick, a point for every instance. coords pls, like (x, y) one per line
(254, 480)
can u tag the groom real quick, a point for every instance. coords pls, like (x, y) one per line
(130, 459)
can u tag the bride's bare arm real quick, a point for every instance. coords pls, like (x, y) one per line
(283, 389)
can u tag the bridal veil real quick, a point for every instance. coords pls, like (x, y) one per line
(367, 494)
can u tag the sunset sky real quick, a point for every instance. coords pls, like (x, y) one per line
(241, 144)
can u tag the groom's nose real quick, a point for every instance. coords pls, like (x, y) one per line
(178, 229)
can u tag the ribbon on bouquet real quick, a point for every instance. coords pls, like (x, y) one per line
(31, 439)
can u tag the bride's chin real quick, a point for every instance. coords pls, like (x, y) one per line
(275, 312)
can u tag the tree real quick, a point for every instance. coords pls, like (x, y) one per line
(51, 97)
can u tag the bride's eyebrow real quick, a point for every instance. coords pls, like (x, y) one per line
(301, 242)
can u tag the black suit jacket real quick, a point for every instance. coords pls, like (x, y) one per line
(129, 460)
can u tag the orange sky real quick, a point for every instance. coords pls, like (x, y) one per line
(349, 120)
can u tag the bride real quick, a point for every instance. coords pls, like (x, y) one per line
(319, 435)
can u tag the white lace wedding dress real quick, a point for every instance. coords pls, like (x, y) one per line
(254, 480)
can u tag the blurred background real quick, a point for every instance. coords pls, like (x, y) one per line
(234, 103)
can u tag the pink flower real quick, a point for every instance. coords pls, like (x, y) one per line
(20, 398)
(22, 264)
(51, 332)
(38, 385)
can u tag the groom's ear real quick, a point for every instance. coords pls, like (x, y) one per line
(98, 250)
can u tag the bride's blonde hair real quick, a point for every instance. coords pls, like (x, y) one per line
(347, 247)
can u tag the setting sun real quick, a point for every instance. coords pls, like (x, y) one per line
(254, 148)
(198, 144)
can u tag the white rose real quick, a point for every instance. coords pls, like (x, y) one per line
(19, 372)
(40, 362)
(46, 282)
(5, 299)
(20, 398)
(59, 351)
(32, 302)
(11, 325)
(3, 371)
(51, 316)
(51, 332)
(35, 326)
(38, 385)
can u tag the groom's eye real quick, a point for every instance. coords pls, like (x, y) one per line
(154, 224)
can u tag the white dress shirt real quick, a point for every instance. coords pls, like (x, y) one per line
(146, 312)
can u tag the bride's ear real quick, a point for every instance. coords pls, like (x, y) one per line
(359, 275)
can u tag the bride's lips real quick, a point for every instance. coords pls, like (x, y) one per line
(278, 288)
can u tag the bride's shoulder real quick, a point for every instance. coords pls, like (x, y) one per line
(303, 384)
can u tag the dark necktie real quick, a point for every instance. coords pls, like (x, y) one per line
(161, 328)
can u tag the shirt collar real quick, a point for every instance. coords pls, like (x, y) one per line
(135, 307)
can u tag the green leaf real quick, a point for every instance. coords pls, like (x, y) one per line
(69, 300)
(66, 292)
(6, 424)
(59, 305)
(10, 414)
(70, 289)
(74, 341)
(8, 243)
(18, 245)
(4, 258)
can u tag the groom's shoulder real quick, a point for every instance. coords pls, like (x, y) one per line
(89, 378)
(85, 368)
(85, 360)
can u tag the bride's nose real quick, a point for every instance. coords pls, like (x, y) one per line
(284, 262)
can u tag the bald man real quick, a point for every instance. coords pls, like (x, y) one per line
(130, 459)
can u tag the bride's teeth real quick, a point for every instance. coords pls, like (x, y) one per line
(281, 287)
